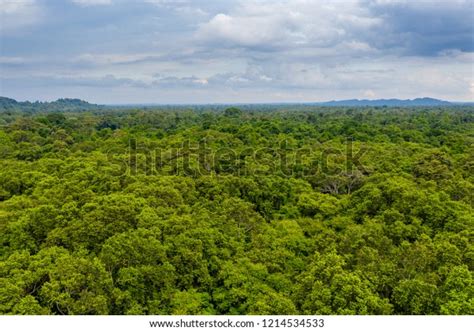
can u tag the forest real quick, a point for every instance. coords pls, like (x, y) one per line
(237, 210)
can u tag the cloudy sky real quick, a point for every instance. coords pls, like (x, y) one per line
(184, 51)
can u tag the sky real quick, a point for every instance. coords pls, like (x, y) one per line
(248, 51)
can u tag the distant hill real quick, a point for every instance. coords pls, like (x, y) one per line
(7, 102)
(388, 102)
(66, 104)
(78, 103)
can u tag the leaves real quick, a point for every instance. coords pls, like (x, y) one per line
(237, 211)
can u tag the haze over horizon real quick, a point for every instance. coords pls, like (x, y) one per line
(161, 51)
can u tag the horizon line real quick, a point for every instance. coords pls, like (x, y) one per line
(241, 103)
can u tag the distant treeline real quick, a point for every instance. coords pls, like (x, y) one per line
(77, 105)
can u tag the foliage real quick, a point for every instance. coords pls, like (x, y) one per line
(236, 211)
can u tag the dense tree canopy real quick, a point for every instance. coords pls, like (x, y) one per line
(210, 211)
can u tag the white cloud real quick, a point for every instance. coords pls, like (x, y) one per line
(167, 2)
(369, 94)
(471, 90)
(17, 14)
(110, 59)
(15, 6)
(11, 60)
(243, 31)
(269, 24)
(87, 3)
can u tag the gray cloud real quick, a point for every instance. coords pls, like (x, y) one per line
(425, 27)
(241, 51)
